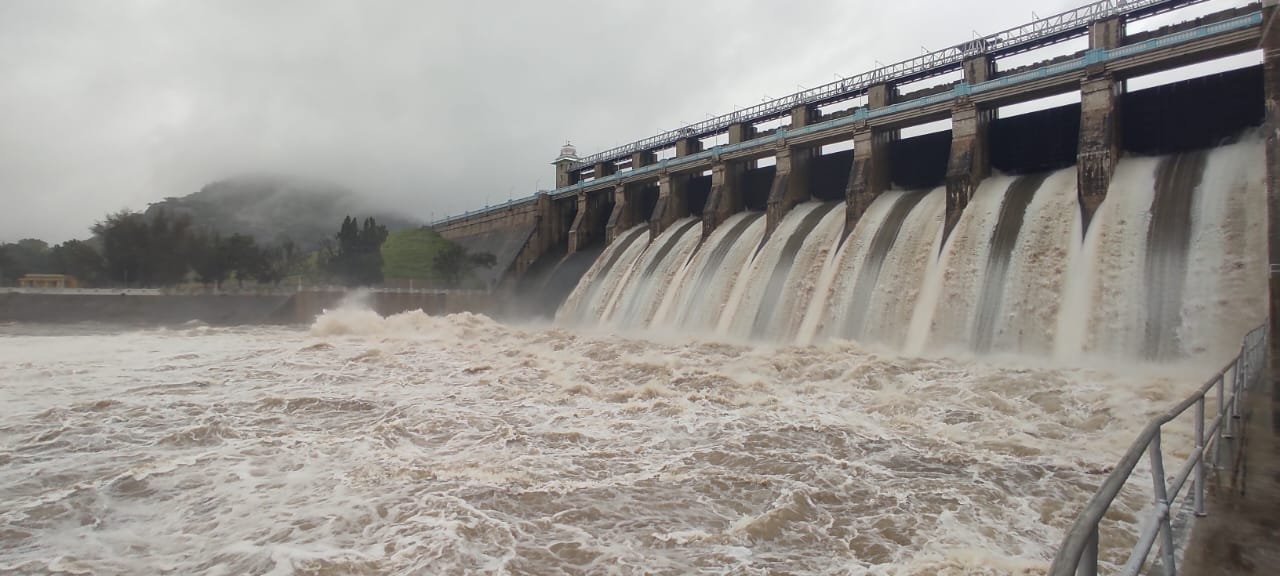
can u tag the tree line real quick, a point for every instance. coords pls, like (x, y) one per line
(160, 249)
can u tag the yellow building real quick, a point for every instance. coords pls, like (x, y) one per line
(48, 281)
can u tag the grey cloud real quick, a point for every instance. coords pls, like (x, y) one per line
(428, 108)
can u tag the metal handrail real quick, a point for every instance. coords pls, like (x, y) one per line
(1050, 29)
(863, 113)
(1078, 555)
(508, 204)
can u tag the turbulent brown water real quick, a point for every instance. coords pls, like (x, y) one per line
(428, 445)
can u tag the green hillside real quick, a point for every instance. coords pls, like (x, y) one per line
(273, 208)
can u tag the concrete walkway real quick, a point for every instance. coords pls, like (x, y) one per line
(1241, 534)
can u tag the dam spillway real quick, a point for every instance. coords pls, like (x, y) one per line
(996, 236)
(1125, 238)
(1178, 242)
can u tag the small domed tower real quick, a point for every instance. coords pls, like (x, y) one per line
(568, 156)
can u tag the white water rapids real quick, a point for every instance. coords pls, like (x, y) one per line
(457, 445)
(1173, 267)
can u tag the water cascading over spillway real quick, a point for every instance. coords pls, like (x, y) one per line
(1003, 238)
(653, 274)
(869, 272)
(1176, 264)
(599, 283)
(697, 302)
(1178, 244)
(765, 317)
(1167, 241)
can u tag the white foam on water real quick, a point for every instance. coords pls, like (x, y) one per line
(448, 445)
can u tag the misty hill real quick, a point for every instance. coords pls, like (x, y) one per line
(273, 208)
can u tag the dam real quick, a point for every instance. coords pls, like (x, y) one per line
(996, 309)
(1132, 226)
(817, 219)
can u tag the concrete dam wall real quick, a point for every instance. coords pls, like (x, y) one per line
(660, 181)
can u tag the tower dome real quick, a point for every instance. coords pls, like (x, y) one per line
(568, 152)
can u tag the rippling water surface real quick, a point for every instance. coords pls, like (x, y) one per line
(418, 444)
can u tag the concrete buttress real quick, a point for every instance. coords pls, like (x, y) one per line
(581, 233)
(790, 185)
(623, 216)
(673, 202)
(1099, 143)
(725, 197)
(869, 175)
(969, 161)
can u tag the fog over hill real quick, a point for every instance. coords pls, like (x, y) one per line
(273, 208)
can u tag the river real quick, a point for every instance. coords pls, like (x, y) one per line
(450, 445)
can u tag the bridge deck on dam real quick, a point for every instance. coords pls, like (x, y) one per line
(1112, 57)
(1200, 43)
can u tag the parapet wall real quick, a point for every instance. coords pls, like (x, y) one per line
(488, 220)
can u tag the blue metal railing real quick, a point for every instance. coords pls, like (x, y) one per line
(463, 216)
(1048, 30)
(1090, 57)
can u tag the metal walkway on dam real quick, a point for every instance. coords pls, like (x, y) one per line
(661, 179)
(598, 196)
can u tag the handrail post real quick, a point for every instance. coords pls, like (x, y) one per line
(1199, 493)
(1222, 421)
(1162, 505)
(1227, 408)
(1088, 565)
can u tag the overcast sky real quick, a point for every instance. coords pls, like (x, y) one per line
(428, 107)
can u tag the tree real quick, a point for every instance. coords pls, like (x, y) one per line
(450, 263)
(7, 267)
(77, 258)
(278, 262)
(126, 246)
(26, 256)
(155, 249)
(208, 260)
(453, 263)
(169, 247)
(242, 257)
(357, 260)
